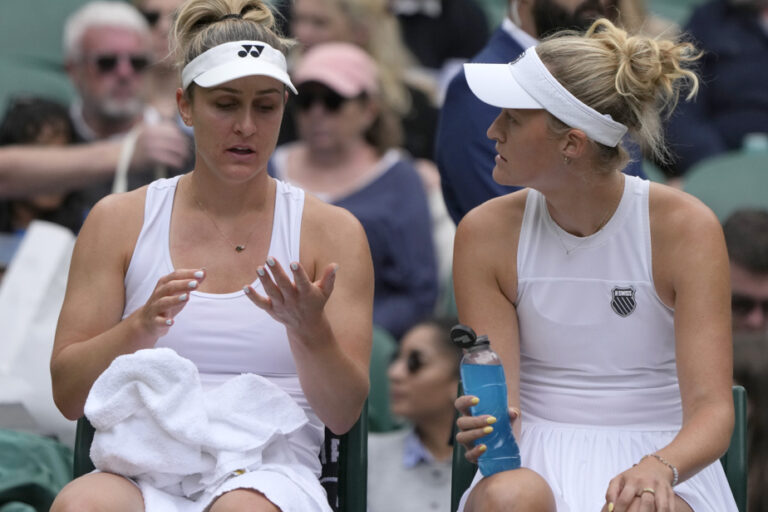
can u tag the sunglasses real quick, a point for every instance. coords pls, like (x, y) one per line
(743, 305)
(330, 100)
(414, 361)
(107, 63)
(152, 17)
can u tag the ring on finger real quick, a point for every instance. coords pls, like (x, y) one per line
(646, 489)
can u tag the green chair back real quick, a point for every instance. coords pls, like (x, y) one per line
(351, 474)
(734, 461)
(730, 181)
(380, 419)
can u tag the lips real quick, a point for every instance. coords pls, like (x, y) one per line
(241, 150)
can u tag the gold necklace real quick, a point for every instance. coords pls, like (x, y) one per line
(238, 247)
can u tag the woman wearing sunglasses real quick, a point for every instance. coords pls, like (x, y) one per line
(345, 155)
(410, 469)
(258, 286)
(605, 295)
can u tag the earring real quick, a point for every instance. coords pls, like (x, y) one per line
(566, 160)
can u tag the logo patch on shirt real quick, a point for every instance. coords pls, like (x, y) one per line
(623, 301)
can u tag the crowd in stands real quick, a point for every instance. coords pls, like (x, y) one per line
(383, 138)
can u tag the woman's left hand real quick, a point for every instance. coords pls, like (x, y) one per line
(299, 304)
(641, 488)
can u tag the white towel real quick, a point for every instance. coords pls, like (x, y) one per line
(156, 425)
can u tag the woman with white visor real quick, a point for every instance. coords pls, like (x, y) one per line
(236, 272)
(606, 296)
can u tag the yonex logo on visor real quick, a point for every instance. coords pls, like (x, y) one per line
(229, 61)
(254, 50)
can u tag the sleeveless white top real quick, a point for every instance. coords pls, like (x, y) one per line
(598, 380)
(226, 334)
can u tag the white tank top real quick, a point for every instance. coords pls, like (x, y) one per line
(224, 334)
(597, 344)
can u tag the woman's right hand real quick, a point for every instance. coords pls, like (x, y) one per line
(170, 295)
(472, 428)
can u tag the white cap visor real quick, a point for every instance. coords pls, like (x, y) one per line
(526, 83)
(237, 59)
(495, 85)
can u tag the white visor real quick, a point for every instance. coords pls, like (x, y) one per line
(233, 60)
(527, 83)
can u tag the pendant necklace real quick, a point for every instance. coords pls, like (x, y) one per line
(238, 247)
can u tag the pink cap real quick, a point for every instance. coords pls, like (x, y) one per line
(344, 67)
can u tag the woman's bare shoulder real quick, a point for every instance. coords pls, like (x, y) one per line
(495, 219)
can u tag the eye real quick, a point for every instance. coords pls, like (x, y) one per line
(225, 105)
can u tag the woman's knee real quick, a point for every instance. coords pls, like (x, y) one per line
(519, 490)
(239, 500)
(99, 492)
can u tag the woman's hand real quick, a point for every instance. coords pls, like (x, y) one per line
(472, 428)
(299, 304)
(645, 487)
(170, 295)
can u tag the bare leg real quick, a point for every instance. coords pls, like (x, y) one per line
(99, 492)
(239, 500)
(519, 490)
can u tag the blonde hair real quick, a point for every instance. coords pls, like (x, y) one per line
(633, 78)
(204, 24)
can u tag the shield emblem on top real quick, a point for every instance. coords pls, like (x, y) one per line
(623, 301)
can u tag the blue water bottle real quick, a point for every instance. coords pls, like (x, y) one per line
(482, 376)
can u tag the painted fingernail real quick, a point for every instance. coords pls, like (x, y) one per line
(247, 289)
(483, 448)
(474, 401)
(610, 507)
(491, 420)
(199, 274)
(260, 271)
(169, 322)
(183, 297)
(192, 284)
(487, 430)
(271, 261)
(294, 266)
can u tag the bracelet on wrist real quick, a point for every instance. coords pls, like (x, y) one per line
(675, 473)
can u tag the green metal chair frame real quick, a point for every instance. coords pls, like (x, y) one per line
(352, 472)
(734, 461)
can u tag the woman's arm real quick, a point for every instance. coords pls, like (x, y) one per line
(691, 249)
(327, 312)
(90, 333)
(485, 285)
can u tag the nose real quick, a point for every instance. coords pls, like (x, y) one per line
(494, 132)
(245, 124)
(756, 319)
(396, 370)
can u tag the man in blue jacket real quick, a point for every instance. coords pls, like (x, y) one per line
(463, 152)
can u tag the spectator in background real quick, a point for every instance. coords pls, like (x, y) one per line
(162, 75)
(347, 157)
(37, 121)
(746, 235)
(733, 100)
(371, 25)
(442, 34)
(107, 48)
(410, 468)
(463, 153)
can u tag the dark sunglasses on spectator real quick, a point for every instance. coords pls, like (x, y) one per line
(330, 100)
(413, 362)
(743, 305)
(107, 63)
(152, 17)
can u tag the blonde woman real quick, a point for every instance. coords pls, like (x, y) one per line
(231, 269)
(605, 295)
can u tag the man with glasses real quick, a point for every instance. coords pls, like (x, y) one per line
(746, 235)
(107, 52)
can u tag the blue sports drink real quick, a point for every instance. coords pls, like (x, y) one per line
(482, 376)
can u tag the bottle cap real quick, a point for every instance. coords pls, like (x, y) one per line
(463, 336)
